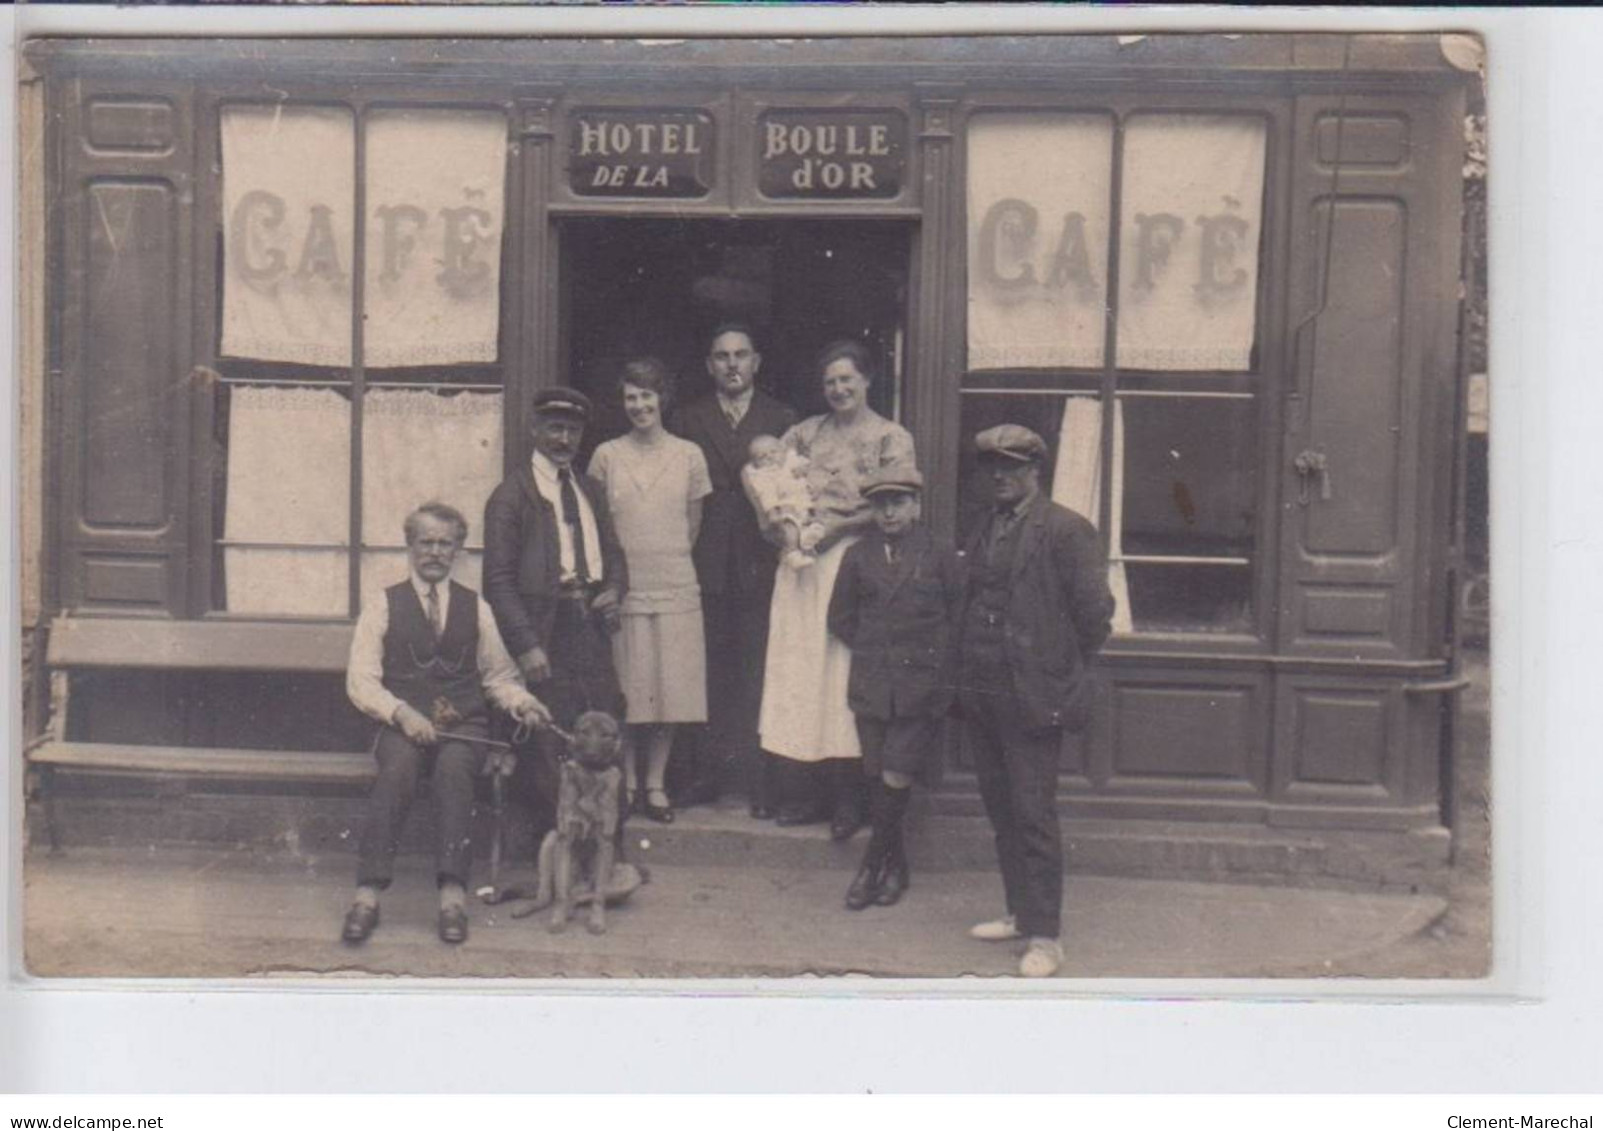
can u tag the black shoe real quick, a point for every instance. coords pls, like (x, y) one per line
(895, 879)
(359, 923)
(761, 811)
(791, 815)
(866, 884)
(662, 814)
(847, 820)
(453, 925)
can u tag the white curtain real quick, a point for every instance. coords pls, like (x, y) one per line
(289, 474)
(288, 195)
(1038, 200)
(288, 485)
(434, 216)
(1192, 203)
(1077, 483)
(435, 213)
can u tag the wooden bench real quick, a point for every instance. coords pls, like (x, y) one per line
(80, 643)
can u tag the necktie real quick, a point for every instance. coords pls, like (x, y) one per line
(731, 411)
(434, 609)
(570, 516)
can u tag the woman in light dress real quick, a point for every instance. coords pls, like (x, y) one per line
(804, 717)
(655, 485)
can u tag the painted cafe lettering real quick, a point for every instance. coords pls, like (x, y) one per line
(1009, 256)
(465, 232)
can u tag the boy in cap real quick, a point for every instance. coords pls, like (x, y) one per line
(895, 599)
(1037, 608)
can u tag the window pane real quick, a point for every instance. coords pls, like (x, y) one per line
(435, 212)
(286, 511)
(1190, 476)
(1188, 493)
(417, 447)
(288, 192)
(1172, 597)
(1038, 186)
(1192, 205)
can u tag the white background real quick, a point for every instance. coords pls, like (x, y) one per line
(1537, 1027)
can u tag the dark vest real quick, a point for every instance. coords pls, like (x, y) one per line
(419, 669)
(990, 590)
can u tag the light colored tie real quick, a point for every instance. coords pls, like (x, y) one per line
(434, 609)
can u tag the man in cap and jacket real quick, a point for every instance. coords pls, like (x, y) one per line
(554, 575)
(1037, 608)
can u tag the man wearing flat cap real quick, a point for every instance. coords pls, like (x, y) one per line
(1036, 609)
(554, 575)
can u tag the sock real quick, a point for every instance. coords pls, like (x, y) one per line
(366, 895)
(452, 896)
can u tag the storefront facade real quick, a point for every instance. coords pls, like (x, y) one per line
(1219, 275)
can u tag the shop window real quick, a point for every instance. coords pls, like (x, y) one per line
(428, 380)
(1174, 420)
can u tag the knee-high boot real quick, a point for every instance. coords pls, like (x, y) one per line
(865, 887)
(895, 876)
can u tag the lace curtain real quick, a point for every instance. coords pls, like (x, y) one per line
(287, 518)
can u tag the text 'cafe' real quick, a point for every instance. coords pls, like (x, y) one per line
(1219, 275)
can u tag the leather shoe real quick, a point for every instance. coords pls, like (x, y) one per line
(359, 923)
(662, 814)
(1042, 959)
(865, 887)
(792, 815)
(894, 880)
(848, 819)
(453, 925)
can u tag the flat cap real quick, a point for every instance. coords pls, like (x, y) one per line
(1013, 441)
(562, 399)
(898, 477)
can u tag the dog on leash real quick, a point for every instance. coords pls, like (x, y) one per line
(577, 856)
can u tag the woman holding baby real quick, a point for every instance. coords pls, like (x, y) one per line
(655, 485)
(805, 718)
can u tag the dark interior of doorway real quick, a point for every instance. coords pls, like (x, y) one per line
(657, 286)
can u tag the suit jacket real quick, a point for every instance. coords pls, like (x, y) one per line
(1059, 612)
(522, 566)
(898, 622)
(730, 552)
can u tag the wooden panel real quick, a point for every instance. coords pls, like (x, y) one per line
(1379, 140)
(125, 580)
(1347, 612)
(218, 645)
(1182, 730)
(128, 270)
(130, 125)
(119, 428)
(1341, 737)
(1355, 414)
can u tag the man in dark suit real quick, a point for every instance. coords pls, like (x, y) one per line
(554, 574)
(894, 601)
(734, 565)
(1037, 608)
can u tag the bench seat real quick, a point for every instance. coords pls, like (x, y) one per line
(196, 762)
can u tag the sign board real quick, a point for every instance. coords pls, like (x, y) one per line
(831, 154)
(641, 153)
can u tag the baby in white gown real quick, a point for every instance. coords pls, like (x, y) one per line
(775, 480)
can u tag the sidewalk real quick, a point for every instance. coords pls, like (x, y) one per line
(238, 914)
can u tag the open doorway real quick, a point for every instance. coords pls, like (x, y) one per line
(658, 286)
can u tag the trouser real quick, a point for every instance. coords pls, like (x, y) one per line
(736, 627)
(582, 679)
(1017, 770)
(452, 767)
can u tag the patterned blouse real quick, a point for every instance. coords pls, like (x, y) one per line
(841, 461)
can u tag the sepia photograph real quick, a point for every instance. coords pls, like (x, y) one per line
(1006, 507)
